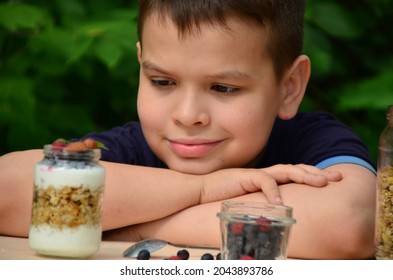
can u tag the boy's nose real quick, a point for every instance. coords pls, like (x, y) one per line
(191, 110)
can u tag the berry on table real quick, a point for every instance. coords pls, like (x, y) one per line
(207, 256)
(173, 258)
(143, 255)
(183, 254)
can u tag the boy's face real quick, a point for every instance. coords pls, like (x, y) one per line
(208, 100)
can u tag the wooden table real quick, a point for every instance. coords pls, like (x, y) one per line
(14, 248)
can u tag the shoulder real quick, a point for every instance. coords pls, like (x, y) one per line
(126, 144)
(314, 127)
(305, 120)
(313, 137)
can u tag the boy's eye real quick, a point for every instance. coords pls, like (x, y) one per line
(162, 83)
(225, 89)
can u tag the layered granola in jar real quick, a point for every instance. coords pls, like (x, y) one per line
(67, 203)
(384, 211)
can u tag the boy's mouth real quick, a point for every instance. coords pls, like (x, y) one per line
(193, 148)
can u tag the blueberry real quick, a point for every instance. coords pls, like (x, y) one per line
(143, 255)
(218, 257)
(262, 253)
(183, 254)
(207, 256)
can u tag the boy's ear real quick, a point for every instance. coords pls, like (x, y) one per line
(294, 87)
(138, 46)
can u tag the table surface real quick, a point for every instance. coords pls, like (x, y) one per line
(15, 248)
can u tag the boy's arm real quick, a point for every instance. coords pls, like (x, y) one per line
(135, 194)
(132, 194)
(336, 221)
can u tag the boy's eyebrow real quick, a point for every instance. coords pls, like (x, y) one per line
(225, 75)
(232, 75)
(151, 66)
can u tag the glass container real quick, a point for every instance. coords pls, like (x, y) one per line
(67, 203)
(384, 203)
(254, 230)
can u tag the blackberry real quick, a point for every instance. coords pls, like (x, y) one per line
(258, 240)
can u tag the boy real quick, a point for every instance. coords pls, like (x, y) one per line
(220, 86)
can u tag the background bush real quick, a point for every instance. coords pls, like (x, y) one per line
(69, 67)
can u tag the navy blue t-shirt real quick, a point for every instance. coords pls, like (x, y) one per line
(312, 138)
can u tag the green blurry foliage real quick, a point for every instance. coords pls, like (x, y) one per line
(69, 67)
(350, 44)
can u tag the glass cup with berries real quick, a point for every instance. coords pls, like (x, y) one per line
(67, 201)
(254, 230)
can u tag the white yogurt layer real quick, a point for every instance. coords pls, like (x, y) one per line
(58, 177)
(81, 242)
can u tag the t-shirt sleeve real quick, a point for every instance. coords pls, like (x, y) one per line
(316, 139)
(346, 159)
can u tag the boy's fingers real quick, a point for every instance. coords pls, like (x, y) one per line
(269, 187)
(329, 174)
(305, 174)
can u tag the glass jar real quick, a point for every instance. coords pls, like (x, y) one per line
(384, 211)
(67, 203)
(254, 230)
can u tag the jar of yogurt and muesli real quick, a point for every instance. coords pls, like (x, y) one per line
(67, 202)
(384, 211)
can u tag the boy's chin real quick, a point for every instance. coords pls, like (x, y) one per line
(194, 168)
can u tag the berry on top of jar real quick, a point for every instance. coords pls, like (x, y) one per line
(78, 146)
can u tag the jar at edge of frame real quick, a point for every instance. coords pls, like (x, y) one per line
(384, 203)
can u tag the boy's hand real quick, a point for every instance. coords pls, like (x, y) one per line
(234, 182)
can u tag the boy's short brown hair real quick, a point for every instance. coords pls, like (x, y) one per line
(283, 19)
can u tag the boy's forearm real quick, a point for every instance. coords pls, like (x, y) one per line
(336, 221)
(16, 189)
(135, 194)
(132, 194)
(332, 222)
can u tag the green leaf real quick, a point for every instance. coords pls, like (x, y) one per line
(102, 145)
(108, 53)
(373, 93)
(335, 20)
(318, 47)
(71, 118)
(74, 8)
(80, 45)
(53, 41)
(21, 16)
(17, 101)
